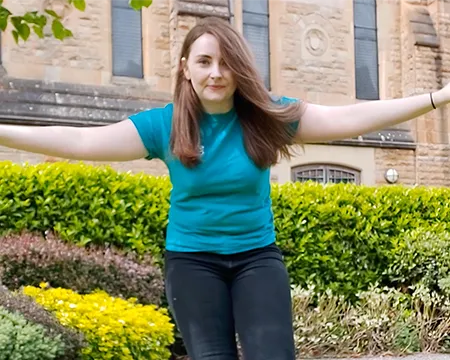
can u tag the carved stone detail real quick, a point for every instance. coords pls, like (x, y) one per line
(316, 41)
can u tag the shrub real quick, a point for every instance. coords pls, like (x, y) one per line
(17, 303)
(337, 236)
(114, 328)
(85, 204)
(20, 339)
(28, 259)
(422, 258)
(382, 321)
(341, 237)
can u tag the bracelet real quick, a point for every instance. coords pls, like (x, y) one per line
(432, 102)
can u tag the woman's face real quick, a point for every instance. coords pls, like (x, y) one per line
(212, 80)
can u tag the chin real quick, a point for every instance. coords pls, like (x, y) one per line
(215, 99)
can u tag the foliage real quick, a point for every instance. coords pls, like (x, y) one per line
(86, 205)
(422, 258)
(114, 328)
(36, 21)
(383, 321)
(34, 313)
(340, 237)
(27, 259)
(22, 340)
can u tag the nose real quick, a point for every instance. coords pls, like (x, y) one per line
(216, 71)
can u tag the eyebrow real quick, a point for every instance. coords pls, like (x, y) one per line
(203, 55)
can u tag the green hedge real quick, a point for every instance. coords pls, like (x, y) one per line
(341, 237)
(85, 204)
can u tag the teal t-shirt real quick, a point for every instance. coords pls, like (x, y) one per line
(222, 205)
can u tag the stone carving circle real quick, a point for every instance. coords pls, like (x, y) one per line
(316, 41)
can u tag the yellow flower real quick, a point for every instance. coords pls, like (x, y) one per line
(113, 327)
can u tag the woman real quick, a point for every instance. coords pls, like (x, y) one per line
(219, 137)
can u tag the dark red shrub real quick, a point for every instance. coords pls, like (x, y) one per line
(29, 259)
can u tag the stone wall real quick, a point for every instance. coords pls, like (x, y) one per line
(314, 61)
(153, 167)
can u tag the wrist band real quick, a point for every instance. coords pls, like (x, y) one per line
(432, 102)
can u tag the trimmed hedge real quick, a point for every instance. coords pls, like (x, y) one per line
(341, 237)
(85, 204)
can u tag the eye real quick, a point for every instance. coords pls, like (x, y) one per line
(203, 61)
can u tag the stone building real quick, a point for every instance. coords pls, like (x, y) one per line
(332, 52)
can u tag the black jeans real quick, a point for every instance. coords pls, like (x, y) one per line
(212, 297)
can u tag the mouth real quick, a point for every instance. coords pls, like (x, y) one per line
(216, 87)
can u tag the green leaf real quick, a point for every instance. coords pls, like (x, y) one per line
(39, 31)
(59, 31)
(30, 17)
(146, 3)
(139, 4)
(52, 13)
(24, 32)
(22, 28)
(79, 4)
(16, 21)
(15, 34)
(35, 18)
(4, 15)
(67, 33)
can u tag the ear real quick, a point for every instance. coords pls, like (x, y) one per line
(185, 68)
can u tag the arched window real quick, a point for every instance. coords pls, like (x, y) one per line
(325, 173)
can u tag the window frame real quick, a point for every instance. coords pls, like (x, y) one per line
(366, 33)
(327, 169)
(249, 14)
(126, 74)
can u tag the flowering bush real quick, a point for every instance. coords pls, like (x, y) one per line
(114, 328)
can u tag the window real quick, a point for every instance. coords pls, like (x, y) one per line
(366, 49)
(325, 174)
(255, 26)
(126, 40)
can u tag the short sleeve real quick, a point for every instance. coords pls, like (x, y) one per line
(154, 126)
(285, 100)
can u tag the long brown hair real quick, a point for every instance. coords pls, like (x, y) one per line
(267, 133)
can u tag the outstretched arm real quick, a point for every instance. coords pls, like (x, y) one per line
(116, 142)
(326, 123)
